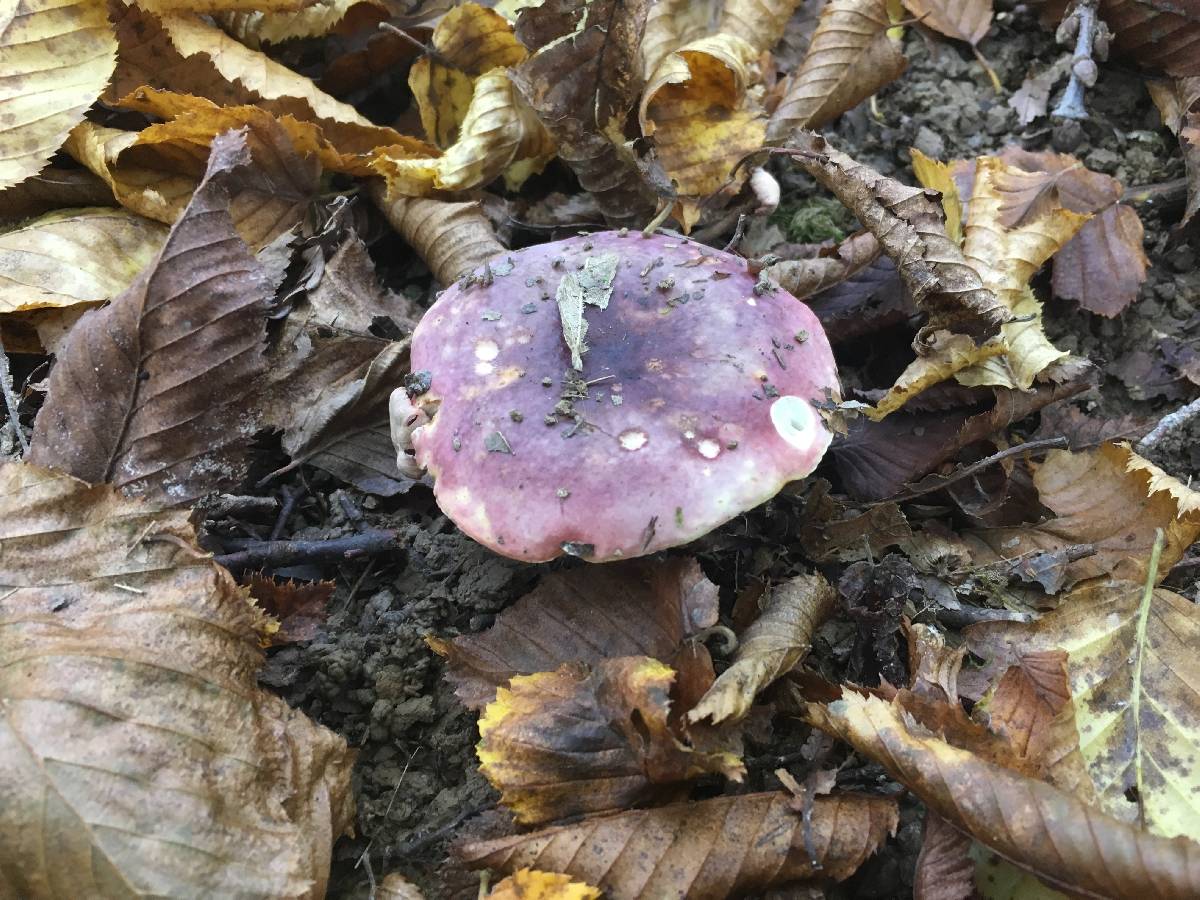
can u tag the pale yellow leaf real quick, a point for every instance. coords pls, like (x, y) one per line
(935, 174)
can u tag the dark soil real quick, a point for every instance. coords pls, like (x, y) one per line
(370, 675)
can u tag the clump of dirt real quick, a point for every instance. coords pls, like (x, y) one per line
(371, 677)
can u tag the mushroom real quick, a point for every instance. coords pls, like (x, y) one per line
(611, 395)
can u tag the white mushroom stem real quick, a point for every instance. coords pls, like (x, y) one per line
(407, 420)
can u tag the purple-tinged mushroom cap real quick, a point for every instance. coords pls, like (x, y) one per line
(694, 400)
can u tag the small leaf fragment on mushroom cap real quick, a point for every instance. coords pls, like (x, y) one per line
(593, 284)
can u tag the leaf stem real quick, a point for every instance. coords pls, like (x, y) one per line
(1139, 657)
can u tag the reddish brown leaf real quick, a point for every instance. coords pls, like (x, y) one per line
(300, 607)
(150, 392)
(944, 870)
(708, 850)
(963, 20)
(637, 608)
(1164, 34)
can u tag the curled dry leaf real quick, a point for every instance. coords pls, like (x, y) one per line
(132, 712)
(910, 226)
(1063, 840)
(452, 238)
(255, 26)
(760, 23)
(149, 392)
(74, 256)
(1109, 498)
(703, 120)
(50, 190)
(583, 79)
(55, 59)
(584, 615)
(777, 640)
(579, 740)
(851, 56)
(803, 278)
(707, 850)
(530, 884)
(1136, 684)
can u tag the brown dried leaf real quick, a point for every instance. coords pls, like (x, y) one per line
(1135, 679)
(52, 189)
(530, 884)
(1032, 99)
(779, 638)
(707, 850)
(804, 277)
(1189, 142)
(452, 238)
(395, 886)
(150, 392)
(1164, 34)
(634, 608)
(299, 607)
(1033, 824)
(55, 59)
(836, 532)
(911, 228)
(584, 740)
(132, 712)
(963, 20)
(851, 56)
(583, 79)
(944, 870)
(1109, 498)
(349, 297)
(254, 26)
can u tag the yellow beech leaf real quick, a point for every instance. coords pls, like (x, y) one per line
(851, 56)
(584, 740)
(1027, 353)
(672, 23)
(469, 41)
(530, 884)
(55, 59)
(1109, 499)
(139, 756)
(1135, 680)
(935, 174)
(498, 131)
(74, 256)
(703, 122)
(254, 28)
(944, 354)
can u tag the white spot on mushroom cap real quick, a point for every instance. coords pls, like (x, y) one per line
(633, 439)
(487, 350)
(708, 448)
(750, 301)
(795, 421)
(484, 368)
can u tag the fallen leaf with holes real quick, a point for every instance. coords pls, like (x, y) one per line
(149, 392)
(55, 59)
(530, 884)
(583, 79)
(1065, 841)
(706, 850)
(299, 608)
(1135, 681)
(589, 739)
(584, 615)
(777, 640)
(132, 711)
(1109, 498)
(703, 120)
(851, 56)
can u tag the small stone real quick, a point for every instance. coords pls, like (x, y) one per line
(930, 142)
(1067, 136)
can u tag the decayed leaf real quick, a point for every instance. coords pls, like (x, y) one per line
(703, 121)
(851, 56)
(944, 870)
(469, 41)
(1034, 824)
(1135, 680)
(1032, 99)
(779, 638)
(52, 189)
(802, 278)
(155, 171)
(910, 226)
(1109, 498)
(255, 26)
(395, 886)
(583, 79)
(942, 356)
(452, 238)
(1189, 141)
(963, 20)
(132, 712)
(299, 608)
(530, 884)
(621, 609)
(1103, 266)
(74, 256)
(760, 23)
(580, 740)
(149, 392)
(55, 59)
(708, 850)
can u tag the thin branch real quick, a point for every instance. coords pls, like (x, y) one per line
(10, 400)
(288, 553)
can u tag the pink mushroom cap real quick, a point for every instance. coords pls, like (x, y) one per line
(697, 399)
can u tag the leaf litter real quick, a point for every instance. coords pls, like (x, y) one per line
(221, 252)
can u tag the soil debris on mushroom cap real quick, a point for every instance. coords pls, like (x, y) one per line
(683, 407)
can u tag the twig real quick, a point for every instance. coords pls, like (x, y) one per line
(286, 553)
(968, 471)
(10, 400)
(413, 846)
(291, 496)
(1167, 424)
